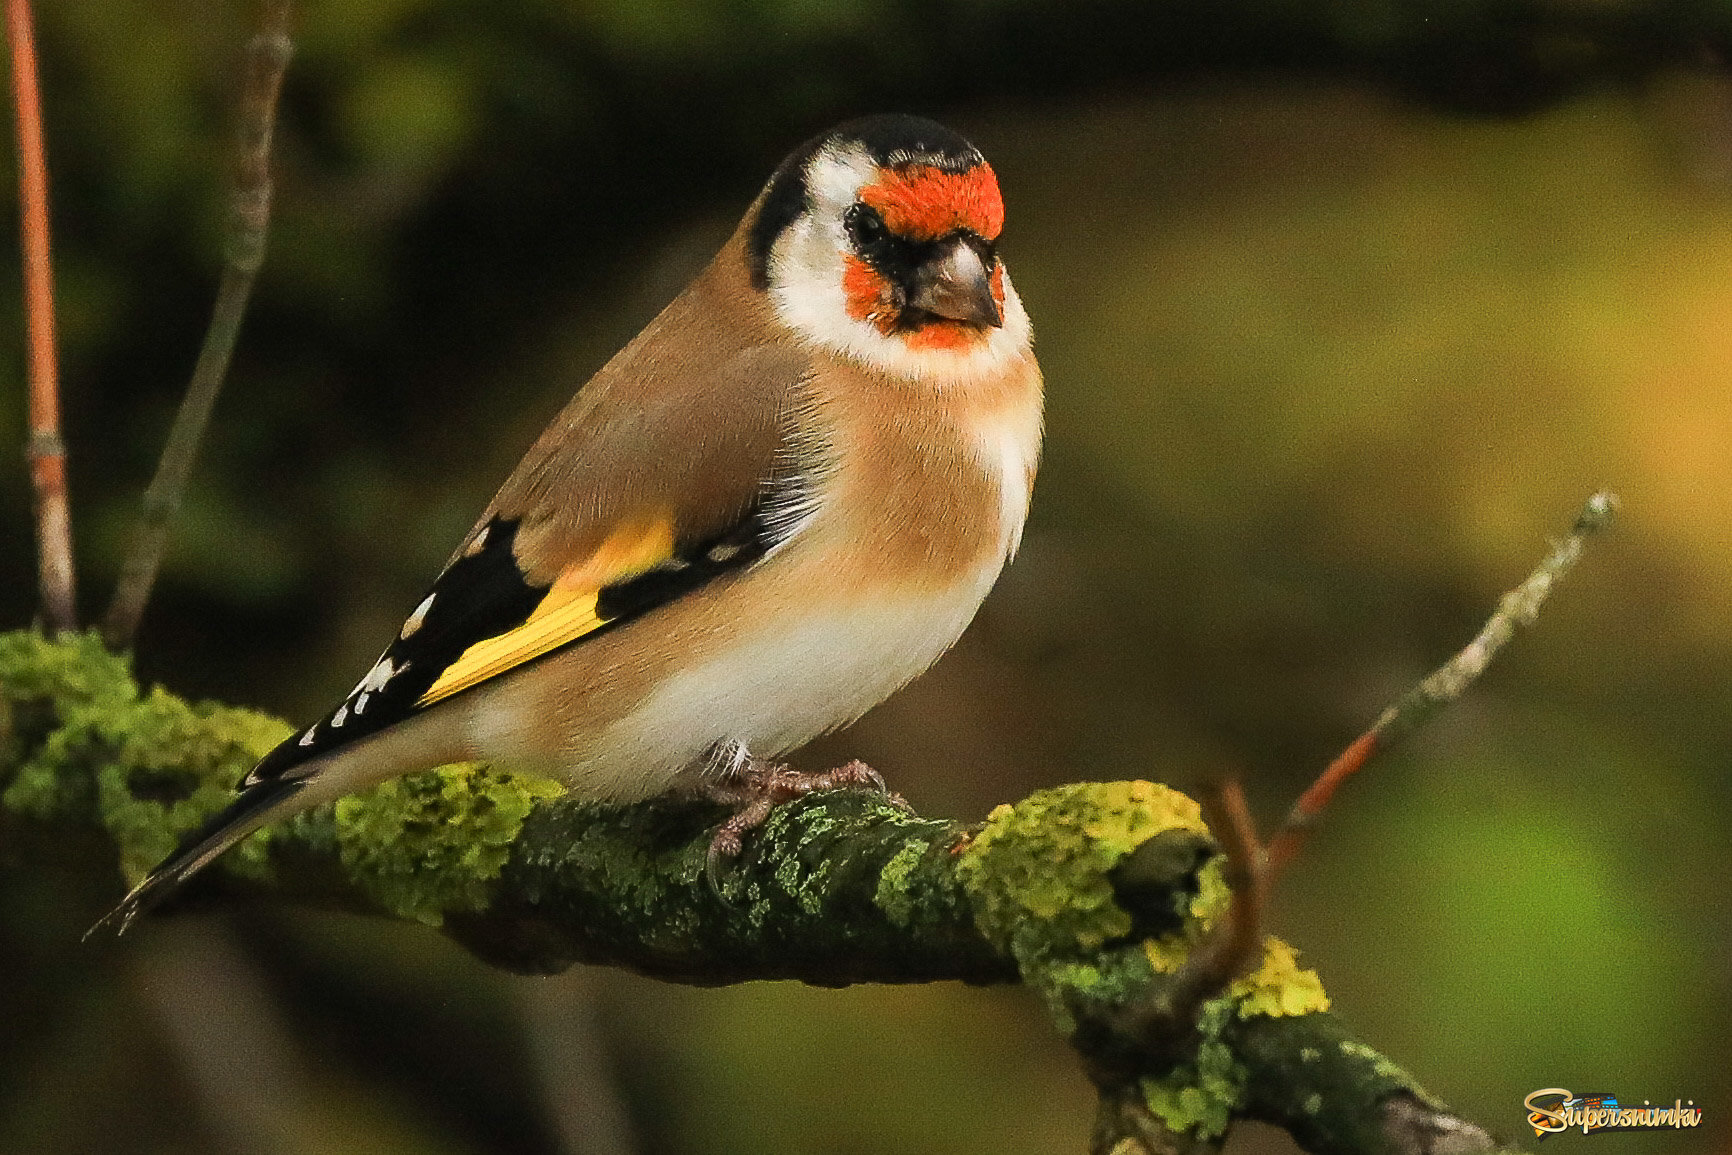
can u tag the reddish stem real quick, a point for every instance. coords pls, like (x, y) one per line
(1238, 939)
(46, 451)
(1291, 837)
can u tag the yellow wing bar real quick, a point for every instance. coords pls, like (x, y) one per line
(565, 614)
(547, 629)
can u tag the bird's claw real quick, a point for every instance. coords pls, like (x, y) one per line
(756, 788)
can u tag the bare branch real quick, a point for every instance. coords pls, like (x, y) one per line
(1519, 607)
(244, 252)
(569, 1049)
(235, 1049)
(1237, 940)
(46, 452)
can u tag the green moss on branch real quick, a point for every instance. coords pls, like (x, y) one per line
(839, 887)
(1337, 1096)
(84, 746)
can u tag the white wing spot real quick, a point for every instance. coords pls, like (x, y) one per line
(376, 677)
(341, 716)
(416, 618)
(360, 704)
(307, 738)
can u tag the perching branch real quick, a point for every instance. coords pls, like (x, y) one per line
(1092, 895)
(1168, 1012)
(244, 252)
(1233, 945)
(1517, 608)
(1111, 901)
(46, 452)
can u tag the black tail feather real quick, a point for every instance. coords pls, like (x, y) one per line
(198, 850)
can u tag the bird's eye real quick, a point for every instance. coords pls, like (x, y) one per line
(864, 226)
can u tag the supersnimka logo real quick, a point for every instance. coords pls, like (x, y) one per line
(1554, 1110)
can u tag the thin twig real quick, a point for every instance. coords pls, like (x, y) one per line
(1166, 1014)
(244, 251)
(1238, 938)
(235, 1050)
(570, 1053)
(1517, 608)
(46, 452)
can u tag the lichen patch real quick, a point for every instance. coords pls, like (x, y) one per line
(431, 844)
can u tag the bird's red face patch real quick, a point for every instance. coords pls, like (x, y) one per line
(924, 203)
(869, 296)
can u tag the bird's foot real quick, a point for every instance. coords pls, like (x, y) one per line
(753, 788)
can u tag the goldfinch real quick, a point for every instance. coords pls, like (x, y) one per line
(778, 504)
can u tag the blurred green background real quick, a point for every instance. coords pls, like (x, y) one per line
(1344, 309)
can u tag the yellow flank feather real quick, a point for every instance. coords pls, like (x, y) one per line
(566, 613)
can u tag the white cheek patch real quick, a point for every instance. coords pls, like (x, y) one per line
(806, 280)
(834, 178)
(806, 288)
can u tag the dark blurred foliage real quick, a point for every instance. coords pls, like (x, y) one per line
(1344, 308)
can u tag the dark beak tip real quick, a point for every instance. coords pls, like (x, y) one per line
(985, 309)
(959, 294)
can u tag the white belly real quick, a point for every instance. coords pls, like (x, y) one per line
(800, 676)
